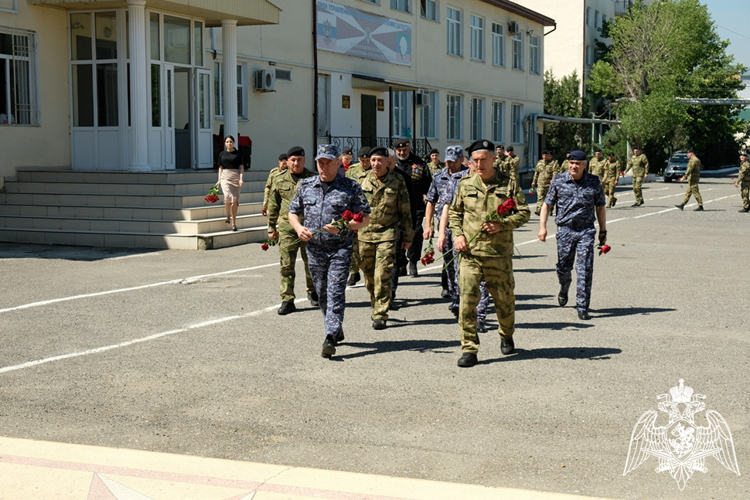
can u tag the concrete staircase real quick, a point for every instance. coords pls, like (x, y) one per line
(127, 209)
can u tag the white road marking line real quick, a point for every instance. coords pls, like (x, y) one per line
(133, 256)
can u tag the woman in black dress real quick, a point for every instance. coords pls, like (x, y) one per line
(231, 171)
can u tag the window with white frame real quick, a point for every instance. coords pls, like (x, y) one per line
(477, 119)
(535, 58)
(589, 55)
(597, 20)
(429, 9)
(477, 37)
(429, 116)
(8, 5)
(517, 51)
(376, 2)
(324, 105)
(498, 44)
(242, 80)
(516, 119)
(588, 16)
(454, 32)
(454, 117)
(498, 122)
(401, 108)
(18, 99)
(402, 5)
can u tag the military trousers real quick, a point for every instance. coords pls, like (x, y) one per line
(452, 271)
(692, 189)
(576, 247)
(609, 190)
(414, 252)
(497, 272)
(541, 194)
(745, 194)
(376, 262)
(329, 270)
(638, 188)
(287, 260)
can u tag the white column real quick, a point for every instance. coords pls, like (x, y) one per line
(138, 87)
(229, 49)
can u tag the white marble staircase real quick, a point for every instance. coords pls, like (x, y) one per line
(126, 209)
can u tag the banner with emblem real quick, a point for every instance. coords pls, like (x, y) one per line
(353, 32)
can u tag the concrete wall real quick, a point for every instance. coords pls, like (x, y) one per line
(46, 145)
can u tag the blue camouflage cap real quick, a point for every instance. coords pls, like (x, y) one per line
(454, 153)
(327, 151)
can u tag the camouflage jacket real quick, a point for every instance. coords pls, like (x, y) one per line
(611, 171)
(500, 163)
(282, 191)
(693, 173)
(564, 167)
(544, 172)
(476, 199)
(390, 219)
(744, 174)
(597, 167)
(435, 168)
(357, 172)
(639, 165)
(274, 171)
(512, 165)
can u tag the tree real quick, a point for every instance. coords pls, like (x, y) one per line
(563, 98)
(663, 51)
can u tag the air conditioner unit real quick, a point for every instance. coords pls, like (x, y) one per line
(265, 80)
(423, 98)
(514, 28)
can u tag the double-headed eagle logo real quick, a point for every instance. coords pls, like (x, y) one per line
(681, 446)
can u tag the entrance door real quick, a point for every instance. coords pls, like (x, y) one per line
(203, 138)
(183, 122)
(168, 118)
(369, 119)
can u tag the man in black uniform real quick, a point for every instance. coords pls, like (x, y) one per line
(412, 165)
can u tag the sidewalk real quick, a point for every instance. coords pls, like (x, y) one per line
(43, 470)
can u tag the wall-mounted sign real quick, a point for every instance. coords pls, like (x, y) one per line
(381, 104)
(345, 102)
(356, 33)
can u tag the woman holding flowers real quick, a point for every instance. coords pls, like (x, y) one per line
(231, 171)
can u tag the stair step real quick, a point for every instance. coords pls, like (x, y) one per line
(100, 177)
(122, 201)
(120, 189)
(125, 213)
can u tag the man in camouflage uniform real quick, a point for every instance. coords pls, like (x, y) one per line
(271, 175)
(743, 182)
(693, 176)
(357, 172)
(282, 192)
(579, 199)
(610, 180)
(597, 164)
(390, 225)
(435, 165)
(435, 204)
(486, 248)
(319, 200)
(563, 167)
(421, 178)
(543, 174)
(500, 158)
(513, 165)
(639, 164)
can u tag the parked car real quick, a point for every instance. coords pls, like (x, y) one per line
(676, 166)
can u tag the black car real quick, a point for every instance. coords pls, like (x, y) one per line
(676, 166)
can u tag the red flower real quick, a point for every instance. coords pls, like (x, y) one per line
(347, 215)
(264, 246)
(506, 206)
(359, 217)
(606, 249)
(211, 198)
(264, 212)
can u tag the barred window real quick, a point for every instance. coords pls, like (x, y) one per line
(18, 99)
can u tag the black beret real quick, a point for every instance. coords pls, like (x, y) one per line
(690, 151)
(295, 151)
(401, 143)
(743, 154)
(597, 150)
(283, 156)
(364, 152)
(577, 155)
(510, 149)
(434, 151)
(379, 151)
(499, 146)
(610, 154)
(636, 147)
(481, 145)
(347, 150)
(546, 152)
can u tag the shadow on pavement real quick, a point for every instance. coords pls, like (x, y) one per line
(552, 326)
(627, 311)
(73, 253)
(590, 353)
(433, 346)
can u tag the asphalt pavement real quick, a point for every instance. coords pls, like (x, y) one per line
(182, 352)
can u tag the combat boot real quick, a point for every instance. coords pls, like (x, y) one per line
(699, 209)
(680, 206)
(745, 210)
(507, 346)
(353, 279)
(467, 360)
(313, 298)
(378, 324)
(287, 307)
(329, 347)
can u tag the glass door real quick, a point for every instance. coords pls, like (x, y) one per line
(168, 118)
(203, 139)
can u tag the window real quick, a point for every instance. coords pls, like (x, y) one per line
(324, 105)
(498, 122)
(376, 2)
(284, 75)
(454, 32)
(477, 119)
(8, 5)
(517, 51)
(588, 16)
(589, 55)
(401, 108)
(517, 124)
(429, 9)
(498, 44)
(477, 38)
(429, 117)
(597, 20)
(402, 5)
(454, 114)
(534, 55)
(241, 90)
(18, 101)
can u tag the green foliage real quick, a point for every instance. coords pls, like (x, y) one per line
(563, 98)
(663, 51)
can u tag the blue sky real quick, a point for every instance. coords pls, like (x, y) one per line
(731, 18)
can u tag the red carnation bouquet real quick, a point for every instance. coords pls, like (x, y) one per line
(213, 194)
(429, 256)
(267, 243)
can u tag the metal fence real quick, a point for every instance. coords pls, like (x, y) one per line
(420, 147)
